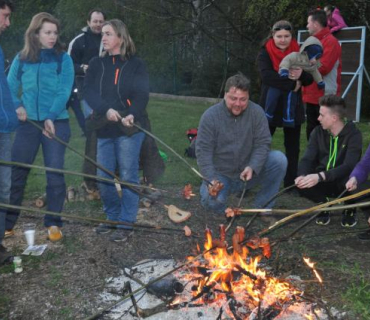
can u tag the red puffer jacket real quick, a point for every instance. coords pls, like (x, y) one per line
(331, 68)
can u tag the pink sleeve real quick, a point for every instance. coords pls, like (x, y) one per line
(338, 21)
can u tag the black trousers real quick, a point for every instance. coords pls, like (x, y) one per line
(324, 190)
(312, 113)
(292, 138)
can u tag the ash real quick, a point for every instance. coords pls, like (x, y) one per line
(147, 270)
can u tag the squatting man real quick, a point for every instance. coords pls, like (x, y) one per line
(233, 147)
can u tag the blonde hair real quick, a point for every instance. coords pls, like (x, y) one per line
(32, 45)
(127, 47)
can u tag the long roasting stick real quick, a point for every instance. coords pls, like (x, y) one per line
(32, 166)
(288, 211)
(174, 152)
(309, 210)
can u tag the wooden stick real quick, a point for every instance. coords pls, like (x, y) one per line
(72, 217)
(288, 211)
(309, 210)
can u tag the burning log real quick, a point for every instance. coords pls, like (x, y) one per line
(187, 192)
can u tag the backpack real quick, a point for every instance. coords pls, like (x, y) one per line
(192, 137)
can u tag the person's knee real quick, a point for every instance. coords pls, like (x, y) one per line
(278, 159)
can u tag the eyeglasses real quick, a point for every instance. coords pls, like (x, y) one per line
(288, 28)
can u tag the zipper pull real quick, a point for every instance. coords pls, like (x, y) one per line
(116, 77)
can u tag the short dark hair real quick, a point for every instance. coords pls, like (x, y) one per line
(96, 10)
(335, 104)
(239, 81)
(8, 3)
(319, 16)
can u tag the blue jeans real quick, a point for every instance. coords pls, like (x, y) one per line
(5, 174)
(26, 144)
(122, 152)
(269, 180)
(86, 110)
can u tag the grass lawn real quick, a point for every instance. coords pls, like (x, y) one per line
(170, 120)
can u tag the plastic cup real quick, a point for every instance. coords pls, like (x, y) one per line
(29, 231)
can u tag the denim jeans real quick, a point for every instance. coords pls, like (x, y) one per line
(5, 174)
(26, 144)
(269, 180)
(123, 152)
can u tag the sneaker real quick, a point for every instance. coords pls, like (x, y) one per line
(9, 233)
(120, 235)
(349, 218)
(54, 233)
(323, 218)
(103, 228)
(364, 235)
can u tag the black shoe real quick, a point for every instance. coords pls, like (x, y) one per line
(120, 235)
(104, 228)
(349, 218)
(323, 218)
(364, 235)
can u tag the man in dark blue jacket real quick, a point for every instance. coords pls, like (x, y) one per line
(82, 49)
(8, 123)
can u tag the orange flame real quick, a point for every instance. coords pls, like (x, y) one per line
(312, 266)
(237, 274)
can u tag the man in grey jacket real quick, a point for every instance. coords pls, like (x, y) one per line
(233, 147)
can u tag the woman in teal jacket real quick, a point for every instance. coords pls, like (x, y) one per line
(44, 74)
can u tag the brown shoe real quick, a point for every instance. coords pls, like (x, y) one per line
(54, 233)
(9, 233)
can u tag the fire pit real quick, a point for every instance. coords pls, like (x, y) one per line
(219, 284)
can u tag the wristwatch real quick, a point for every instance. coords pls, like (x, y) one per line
(321, 178)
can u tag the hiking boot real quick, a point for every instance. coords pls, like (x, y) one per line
(54, 233)
(9, 233)
(364, 235)
(349, 218)
(104, 228)
(323, 218)
(120, 235)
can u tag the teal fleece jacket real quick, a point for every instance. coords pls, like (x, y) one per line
(45, 85)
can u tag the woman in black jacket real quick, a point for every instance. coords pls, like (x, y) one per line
(117, 89)
(285, 93)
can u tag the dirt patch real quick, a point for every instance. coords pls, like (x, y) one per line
(65, 282)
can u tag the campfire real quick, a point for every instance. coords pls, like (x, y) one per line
(232, 279)
(220, 282)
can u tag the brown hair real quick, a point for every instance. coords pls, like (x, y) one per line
(335, 104)
(279, 25)
(127, 47)
(32, 46)
(239, 81)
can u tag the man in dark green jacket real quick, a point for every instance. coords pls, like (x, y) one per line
(332, 152)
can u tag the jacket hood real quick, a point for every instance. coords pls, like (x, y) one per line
(310, 41)
(348, 127)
